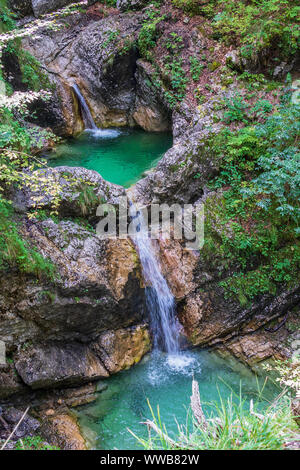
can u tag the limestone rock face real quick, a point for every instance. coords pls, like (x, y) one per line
(54, 328)
(86, 298)
(180, 175)
(150, 109)
(209, 318)
(100, 57)
(94, 59)
(57, 364)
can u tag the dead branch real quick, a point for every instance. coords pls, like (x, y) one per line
(196, 406)
(160, 433)
(15, 428)
(252, 412)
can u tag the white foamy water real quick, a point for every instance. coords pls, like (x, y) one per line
(163, 367)
(103, 133)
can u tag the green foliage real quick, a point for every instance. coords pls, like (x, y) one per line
(196, 68)
(258, 24)
(148, 34)
(7, 18)
(251, 24)
(260, 208)
(174, 42)
(111, 37)
(236, 109)
(32, 74)
(178, 78)
(12, 133)
(34, 443)
(191, 7)
(15, 252)
(230, 425)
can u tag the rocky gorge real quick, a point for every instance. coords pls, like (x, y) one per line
(65, 334)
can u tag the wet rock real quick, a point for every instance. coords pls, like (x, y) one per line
(122, 348)
(97, 288)
(10, 384)
(95, 59)
(256, 347)
(177, 266)
(56, 365)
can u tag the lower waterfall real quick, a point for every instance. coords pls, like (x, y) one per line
(159, 298)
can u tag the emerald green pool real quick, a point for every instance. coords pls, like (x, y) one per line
(121, 156)
(167, 382)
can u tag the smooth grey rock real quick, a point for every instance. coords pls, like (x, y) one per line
(54, 365)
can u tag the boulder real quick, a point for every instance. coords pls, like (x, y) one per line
(97, 288)
(41, 7)
(57, 365)
(80, 192)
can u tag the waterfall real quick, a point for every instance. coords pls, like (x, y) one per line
(86, 113)
(159, 298)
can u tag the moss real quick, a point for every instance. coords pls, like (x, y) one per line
(212, 66)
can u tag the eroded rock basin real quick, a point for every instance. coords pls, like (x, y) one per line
(119, 155)
(166, 381)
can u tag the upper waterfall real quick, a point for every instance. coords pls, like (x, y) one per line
(86, 113)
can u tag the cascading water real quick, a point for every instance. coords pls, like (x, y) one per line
(86, 113)
(159, 299)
